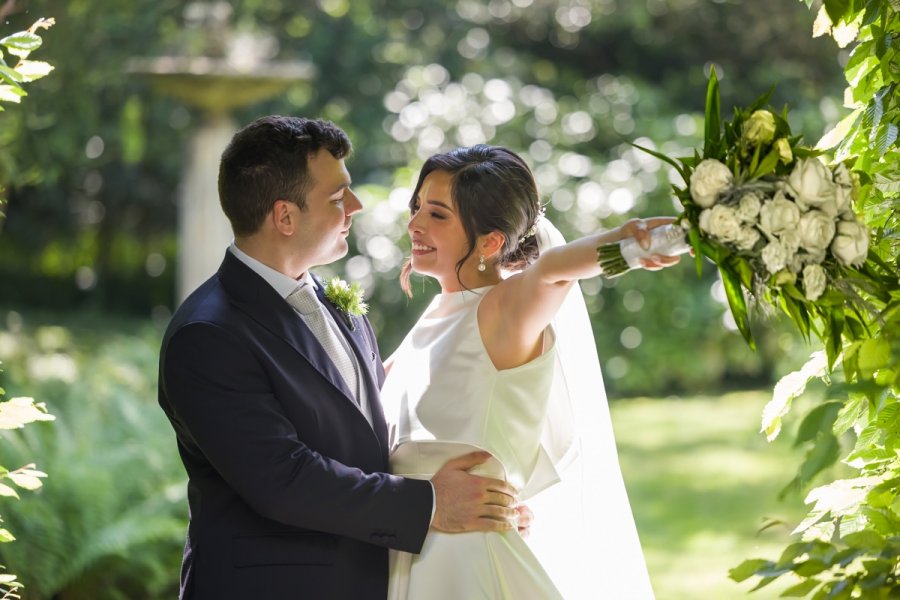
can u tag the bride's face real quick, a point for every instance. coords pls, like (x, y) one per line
(438, 238)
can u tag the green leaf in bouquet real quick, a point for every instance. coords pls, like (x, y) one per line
(767, 165)
(694, 236)
(678, 167)
(754, 162)
(834, 328)
(712, 131)
(735, 294)
(796, 312)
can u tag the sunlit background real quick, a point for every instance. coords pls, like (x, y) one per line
(106, 156)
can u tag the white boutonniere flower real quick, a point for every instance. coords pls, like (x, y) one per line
(348, 298)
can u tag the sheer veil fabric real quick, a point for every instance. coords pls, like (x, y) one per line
(584, 532)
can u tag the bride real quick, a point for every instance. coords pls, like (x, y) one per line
(507, 364)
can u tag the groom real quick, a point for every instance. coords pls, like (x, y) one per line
(273, 396)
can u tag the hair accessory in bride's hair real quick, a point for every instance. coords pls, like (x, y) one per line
(534, 228)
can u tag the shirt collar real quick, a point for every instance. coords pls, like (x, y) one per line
(281, 283)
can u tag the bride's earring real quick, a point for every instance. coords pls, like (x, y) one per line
(481, 265)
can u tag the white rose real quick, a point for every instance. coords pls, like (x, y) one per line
(811, 184)
(851, 243)
(843, 190)
(709, 178)
(790, 239)
(813, 282)
(748, 207)
(816, 230)
(774, 256)
(721, 222)
(760, 127)
(779, 214)
(747, 238)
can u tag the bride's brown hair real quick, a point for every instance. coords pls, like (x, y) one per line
(493, 190)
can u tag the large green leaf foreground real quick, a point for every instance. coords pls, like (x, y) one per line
(848, 546)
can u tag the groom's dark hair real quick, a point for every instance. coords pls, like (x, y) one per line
(268, 160)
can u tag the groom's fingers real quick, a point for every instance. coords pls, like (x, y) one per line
(467, 461)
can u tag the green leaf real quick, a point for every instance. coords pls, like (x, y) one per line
(5, 490)
(767, 165)
(873, 354)
(824, 454)
(853, 409)
(736, 302)
(840, 131)
(32, 70)
(678, 167)
(712, 132)
(886, 138)
(819, 419)
(748, 569)
(11, 75)
(810, 567)
(11, 93)
(21, 44)
(865, 539)
(6, 536)
(836, 9)
(801, 589)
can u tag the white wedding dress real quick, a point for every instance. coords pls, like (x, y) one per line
(444, 398)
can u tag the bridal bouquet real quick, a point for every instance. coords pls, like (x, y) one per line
(776, 220)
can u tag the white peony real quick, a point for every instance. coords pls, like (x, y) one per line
(709, 179)
(748, 207)
(816, 230)
(814, 281)
(779, 214)
(811, 184)
(851, 243)
(774, 256)
(721, 222)
(747, 238)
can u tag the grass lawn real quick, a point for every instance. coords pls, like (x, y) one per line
(702, 480)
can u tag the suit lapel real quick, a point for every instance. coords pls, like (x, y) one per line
(262, 303)
(365, 356)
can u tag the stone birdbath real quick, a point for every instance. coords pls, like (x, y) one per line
(232, 71)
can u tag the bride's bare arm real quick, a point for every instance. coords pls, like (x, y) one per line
(515, 313)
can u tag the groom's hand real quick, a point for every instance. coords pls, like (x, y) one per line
(466, 502)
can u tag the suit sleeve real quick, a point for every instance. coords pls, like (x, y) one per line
(223, 404)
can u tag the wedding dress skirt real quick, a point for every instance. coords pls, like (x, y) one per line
(444, 398)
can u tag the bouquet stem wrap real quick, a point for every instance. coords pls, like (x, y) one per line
(619, 257)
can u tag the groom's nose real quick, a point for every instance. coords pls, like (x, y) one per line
(352, 204)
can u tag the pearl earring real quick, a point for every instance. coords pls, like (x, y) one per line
(481, 265)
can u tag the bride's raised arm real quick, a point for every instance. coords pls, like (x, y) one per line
(513, 316)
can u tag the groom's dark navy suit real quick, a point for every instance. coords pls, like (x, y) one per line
(287, 493)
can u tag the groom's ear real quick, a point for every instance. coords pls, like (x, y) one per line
(491, 244)
(283, 217)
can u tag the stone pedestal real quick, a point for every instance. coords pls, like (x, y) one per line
(203, 231)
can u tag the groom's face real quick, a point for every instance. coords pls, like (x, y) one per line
(325, 223)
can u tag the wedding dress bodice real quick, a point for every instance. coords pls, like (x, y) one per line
(444, 397)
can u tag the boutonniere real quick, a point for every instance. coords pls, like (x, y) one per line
(348, 298)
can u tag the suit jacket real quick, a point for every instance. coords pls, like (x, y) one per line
(287, 486)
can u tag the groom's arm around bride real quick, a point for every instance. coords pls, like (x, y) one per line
(276, 409)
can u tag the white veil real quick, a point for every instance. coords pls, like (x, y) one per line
(584, 532)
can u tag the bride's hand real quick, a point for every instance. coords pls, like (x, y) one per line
(639, 229)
